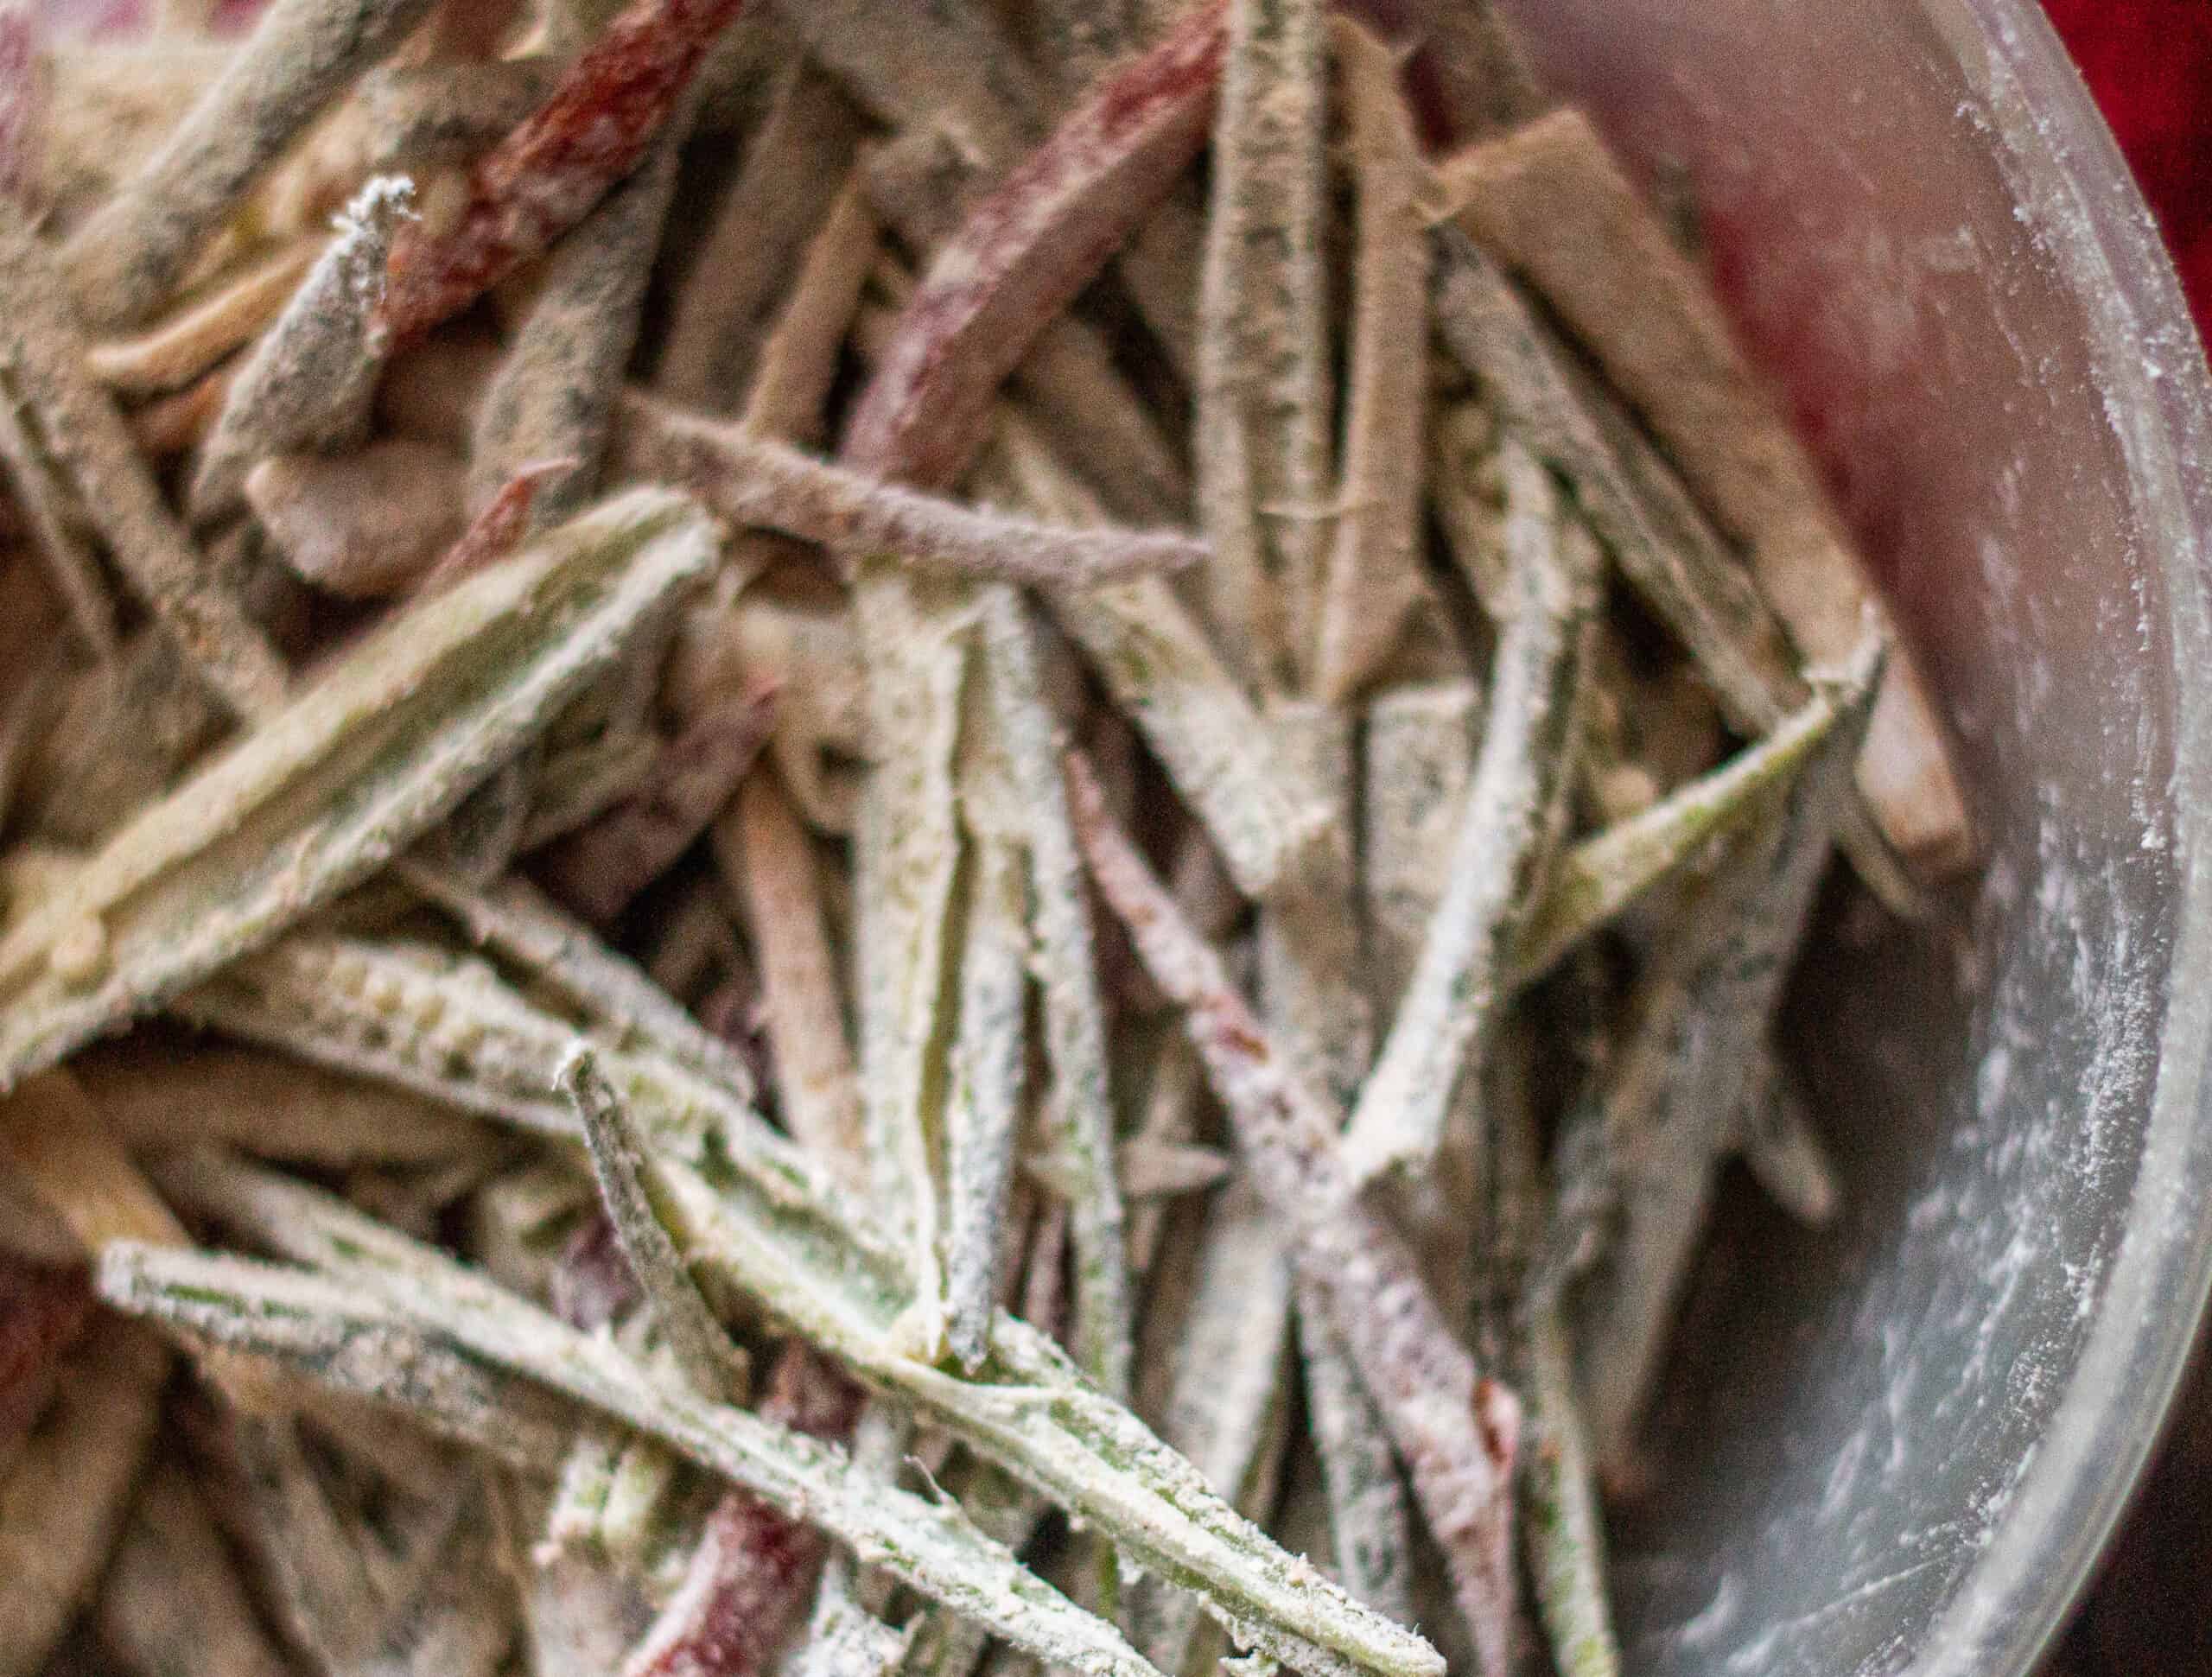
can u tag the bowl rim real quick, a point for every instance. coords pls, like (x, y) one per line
(2088, 214)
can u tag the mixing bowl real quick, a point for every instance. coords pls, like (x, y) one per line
(1899, 1445)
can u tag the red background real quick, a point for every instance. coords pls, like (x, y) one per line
(2149, 62)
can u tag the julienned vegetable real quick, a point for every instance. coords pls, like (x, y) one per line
(788, 717)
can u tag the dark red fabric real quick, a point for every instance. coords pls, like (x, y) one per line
(2149, 62)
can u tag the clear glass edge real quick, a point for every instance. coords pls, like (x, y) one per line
(2062, 161)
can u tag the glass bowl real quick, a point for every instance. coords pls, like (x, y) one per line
(1900, 1445)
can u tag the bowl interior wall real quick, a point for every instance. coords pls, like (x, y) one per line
(1898, 1443)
